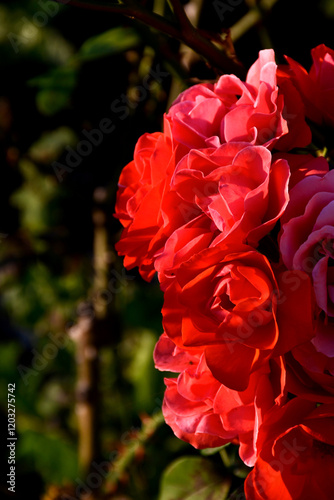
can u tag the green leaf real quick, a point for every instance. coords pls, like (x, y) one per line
(34, 197)
(193, 478)
(110, 42)
(61, 78)
(53, 456)
(140, 369)
(49, 102)
(56, 88)
(51, 144)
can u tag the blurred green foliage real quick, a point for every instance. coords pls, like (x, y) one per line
(193, 478)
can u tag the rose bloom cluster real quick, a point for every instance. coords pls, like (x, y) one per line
(232, 206)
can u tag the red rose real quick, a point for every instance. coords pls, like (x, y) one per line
(236, 186)
(227, 301)
(297, 454)
(233, 191)
(311, 365)
(244, 411)
(184, 242)
(230, 192)
(231, 110)
(302, 166)
(307, 240)
(300, 134)
(143, 185)
(316, 87)
(140, 189)
(204, 412)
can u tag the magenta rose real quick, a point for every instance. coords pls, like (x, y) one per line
(307, 239)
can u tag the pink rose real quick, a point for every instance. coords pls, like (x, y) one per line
(254, 111)
(307, 236)
(204, 412)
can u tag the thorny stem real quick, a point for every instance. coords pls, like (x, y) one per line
(190, 36)
(132, 445)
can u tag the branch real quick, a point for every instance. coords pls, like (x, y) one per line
(191, 37)
(87, 396)
(134, 12)
(133, 442)
(180, 15)
(85, 334)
